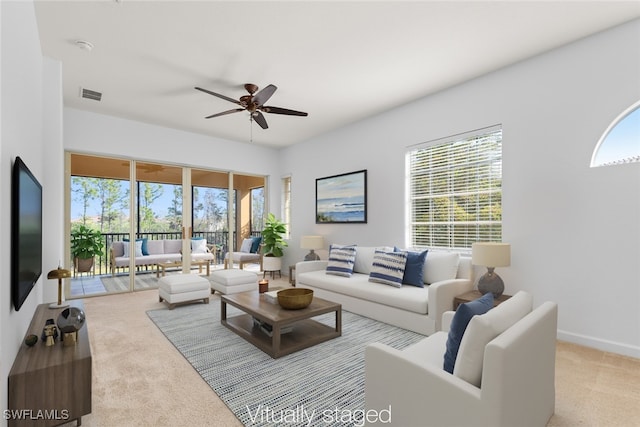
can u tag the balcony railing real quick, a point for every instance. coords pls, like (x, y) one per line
(218, 238)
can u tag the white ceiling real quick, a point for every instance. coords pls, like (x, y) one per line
(338, 61)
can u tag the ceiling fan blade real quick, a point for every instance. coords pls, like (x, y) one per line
(264, 95)
(235, 101)
(259, 119)
(235, 110)
(278, 110)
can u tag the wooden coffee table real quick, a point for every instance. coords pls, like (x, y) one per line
(304, 331)
(162, 266)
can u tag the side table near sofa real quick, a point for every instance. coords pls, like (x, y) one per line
(475, 294)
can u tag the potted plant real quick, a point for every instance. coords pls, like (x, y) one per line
(273, 243)
(86, 243)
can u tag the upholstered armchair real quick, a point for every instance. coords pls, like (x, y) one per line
(513, 358)
(250, 252)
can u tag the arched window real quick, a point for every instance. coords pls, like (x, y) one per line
(620, 143)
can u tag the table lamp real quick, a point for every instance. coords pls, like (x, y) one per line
(312, 243)
(59, 273)
(491, 255)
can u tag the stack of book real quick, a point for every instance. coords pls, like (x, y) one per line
(268, 329)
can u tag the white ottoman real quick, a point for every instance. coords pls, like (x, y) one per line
(182, 288)
(233, 281)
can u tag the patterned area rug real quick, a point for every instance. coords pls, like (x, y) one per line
(319, 386)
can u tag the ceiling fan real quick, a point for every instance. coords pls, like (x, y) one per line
(254, 104)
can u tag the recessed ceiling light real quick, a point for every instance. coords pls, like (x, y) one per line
(84, 45)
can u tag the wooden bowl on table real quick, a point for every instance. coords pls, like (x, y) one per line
(295, 298)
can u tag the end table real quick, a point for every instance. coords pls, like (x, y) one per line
(475, 294)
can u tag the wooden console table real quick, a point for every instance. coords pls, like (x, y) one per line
(50, 385)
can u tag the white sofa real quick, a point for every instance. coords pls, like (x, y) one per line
(446, 275)
(158, 251)
(504, 372)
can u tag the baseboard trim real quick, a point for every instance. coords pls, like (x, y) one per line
(600, 344)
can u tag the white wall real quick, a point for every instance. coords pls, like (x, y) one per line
(21, 81)
(574, 230)
(100, 134)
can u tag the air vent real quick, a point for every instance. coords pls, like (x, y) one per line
(90, 94)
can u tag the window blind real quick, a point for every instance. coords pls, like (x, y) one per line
(455, 191)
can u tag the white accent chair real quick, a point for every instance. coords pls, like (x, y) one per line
(244, 256)
(515, 361)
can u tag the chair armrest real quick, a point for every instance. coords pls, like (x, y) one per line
(441, 295)
(447, 318)
(417, 394)
(307, 266)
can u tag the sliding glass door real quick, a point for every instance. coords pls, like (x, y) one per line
(155, 219)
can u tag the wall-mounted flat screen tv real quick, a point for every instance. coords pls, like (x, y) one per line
(26, 232)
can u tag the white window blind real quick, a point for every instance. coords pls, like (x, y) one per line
(455, 190)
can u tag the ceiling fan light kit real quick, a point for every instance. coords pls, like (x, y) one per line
(254, 104)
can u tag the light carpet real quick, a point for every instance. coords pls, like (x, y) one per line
(311, 387)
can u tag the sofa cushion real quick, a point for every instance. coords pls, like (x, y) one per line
(461, 319)
(483, 329)
(199, 246)
(440, 265)
(414, 269)
(173, 246)
(255, 245)
(364, 257)
(118, 249)
(145, 250)
(341, 260)
(409, 298)
(388, 268)
(155, 247)
(246, 245)
(127, 249)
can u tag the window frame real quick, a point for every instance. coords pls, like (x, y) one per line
(446, 192)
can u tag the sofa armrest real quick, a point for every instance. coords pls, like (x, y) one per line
(441, 295)
(307, 266)
(416, 394)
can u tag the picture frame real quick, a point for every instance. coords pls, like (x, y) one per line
(342, 198)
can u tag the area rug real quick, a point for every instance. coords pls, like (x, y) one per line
(318, 386)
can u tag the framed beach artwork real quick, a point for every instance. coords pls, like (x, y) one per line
(342, 198)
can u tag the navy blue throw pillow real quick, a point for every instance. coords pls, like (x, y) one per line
(461, 319)
(255, 246)
(414, 269)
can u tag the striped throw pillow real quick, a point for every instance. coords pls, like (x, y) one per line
(388, 268)
(341, 260)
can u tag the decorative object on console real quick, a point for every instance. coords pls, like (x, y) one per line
(491, 255)
(59, 273)
(30, 340)
(295, 298)
(70, 321)
(49, 333)
(342, 198)
(312, 243)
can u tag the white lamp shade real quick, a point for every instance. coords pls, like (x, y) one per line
(312, 242)
(491, 254)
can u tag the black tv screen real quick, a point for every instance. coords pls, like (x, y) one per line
(26, 232)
